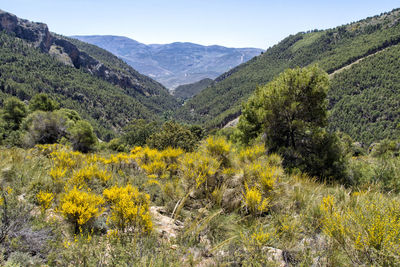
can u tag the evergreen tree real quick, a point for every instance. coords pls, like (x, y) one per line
(291, 111)
(42, 102)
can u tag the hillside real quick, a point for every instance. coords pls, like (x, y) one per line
(101, 87)
(187, 91)
(365, 99)
(331, 49)
(176, 63)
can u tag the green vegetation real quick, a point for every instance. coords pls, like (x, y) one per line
(27, 71)
(173, 135)
(280, 189)
(42, 102)
(291, 111)
(82, 137)
(331, 49)
(43, 125)
(219, 204)
(364, 100)
(187, 91)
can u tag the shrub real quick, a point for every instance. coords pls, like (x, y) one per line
(14, 110)
(367, 230)
(172, 135)
(45, 199)
(44, 128)
(385, 147)
(219, 148)
(291, 112)
(137, 132)
(82, 137)
(71, 116)
(87, 174)
(199, 169)
(254, 202)
(252, 153)
(79, 207)
(129, 208)
(42, 102)
(117, 144)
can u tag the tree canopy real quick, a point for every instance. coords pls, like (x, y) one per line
(291, 111)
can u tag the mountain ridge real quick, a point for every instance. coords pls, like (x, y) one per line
(175, 63)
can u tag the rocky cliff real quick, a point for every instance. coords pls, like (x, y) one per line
(36, 33)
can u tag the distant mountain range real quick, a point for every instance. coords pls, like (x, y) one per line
(176, 63)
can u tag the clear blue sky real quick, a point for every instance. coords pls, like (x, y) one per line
(233, 23)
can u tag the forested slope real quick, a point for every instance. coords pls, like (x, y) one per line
(25, 71)
(187, 91)
(365, 99)
(331, 49)
(101, 87)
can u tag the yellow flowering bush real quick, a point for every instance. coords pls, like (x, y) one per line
(87, 174)
(48, 148)
(5, 192)
(198, 169)
(157, 164)
(262, 174)
(66, 159)
(368, 229)
(260, 237)
(129, 208)
(79, 206)
(254, 202)
(155, 168)
(144, 155)
(219, 148)
(57, 174)
(256, 244)
(252, 153)
(45, 199)
(170, 156)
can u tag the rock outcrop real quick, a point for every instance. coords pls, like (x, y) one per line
(36, 33)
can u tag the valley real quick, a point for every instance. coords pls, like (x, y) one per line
(117, 153)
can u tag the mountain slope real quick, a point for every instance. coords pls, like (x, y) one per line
(365, 98)
(176, 63)
(187, 91)
(331, 49)
(103, 88)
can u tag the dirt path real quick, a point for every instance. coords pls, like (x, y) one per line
(356, 62)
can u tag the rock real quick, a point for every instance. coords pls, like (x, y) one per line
(231, 199)
(275, 255)
(232, 123)
(164, 225)
(36, 33)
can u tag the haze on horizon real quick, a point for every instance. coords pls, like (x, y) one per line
(231, 23)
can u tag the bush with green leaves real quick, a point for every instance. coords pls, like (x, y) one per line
(291, 111)
(44, 128)
(14, 110)
(82, 137)
(173, 135)
(138, 131)
(42, 102)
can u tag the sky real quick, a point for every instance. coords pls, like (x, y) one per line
(231, 23)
